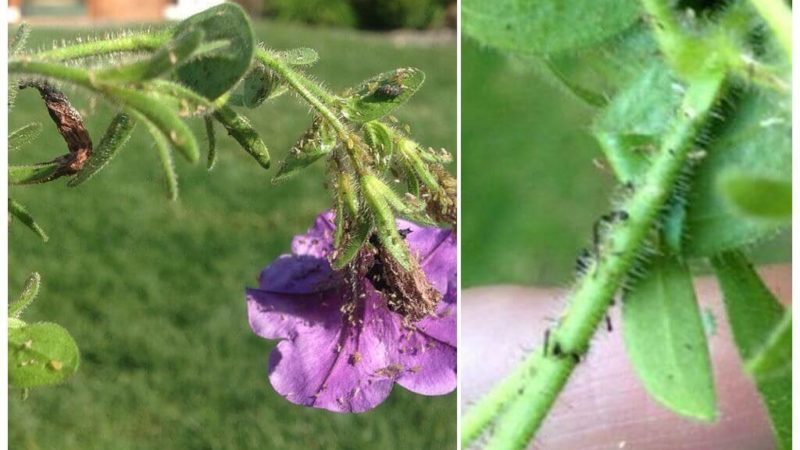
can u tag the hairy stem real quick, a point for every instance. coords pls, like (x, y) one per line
(317, 97)
(779, 18)
(528, 394)
(134, 43)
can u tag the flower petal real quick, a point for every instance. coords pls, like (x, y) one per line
(284, 316)
(301, 274)
(350, 368)
(318, 240)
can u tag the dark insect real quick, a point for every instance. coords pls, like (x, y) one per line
(389, 90)
(583, 261)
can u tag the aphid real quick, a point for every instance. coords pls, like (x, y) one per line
(546, 342)
(583, 261)
(609, 326)
(390, 90)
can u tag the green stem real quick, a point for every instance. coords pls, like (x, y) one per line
(135, 43)
(528, 394)
(301, 84)
(779, 18)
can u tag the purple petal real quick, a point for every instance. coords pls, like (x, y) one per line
(298, 275)
(349, 368)
(318, 240)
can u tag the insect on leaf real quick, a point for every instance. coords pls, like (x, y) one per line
(382, 94)
(666, 341)
(315, 143)
(40, 354)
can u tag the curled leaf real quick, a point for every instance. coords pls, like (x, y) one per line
(167, 165)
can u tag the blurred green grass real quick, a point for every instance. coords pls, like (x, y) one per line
(530, 190)
(153, 292)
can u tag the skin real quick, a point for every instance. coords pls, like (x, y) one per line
(604, 406)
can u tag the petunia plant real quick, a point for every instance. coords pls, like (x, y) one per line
(693, 114)
(366, 281)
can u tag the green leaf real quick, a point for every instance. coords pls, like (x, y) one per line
(117, 134)
(629, 129)
(755, 139)
(355, 234)
(382, 94)
(379, 138)
(40, 354)
(217, 70)
(27, 296)
(167, 165)
(757, 197)
(753, 314)
(666, 341)
(23, 135)
(774, 359)
(259, 85)
(298, 56)
(315, 143)
(385, 224)
(240, 129)
(545, 26)
(20, 213)
(33, 174)
(170, 55)
(164, 118)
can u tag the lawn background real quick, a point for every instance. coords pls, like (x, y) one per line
(530, 191)
(153, 292)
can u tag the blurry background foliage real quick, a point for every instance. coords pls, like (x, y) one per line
(363, 14)
(533, 183)
(153, 291)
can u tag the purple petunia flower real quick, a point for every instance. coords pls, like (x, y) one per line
(343, 351)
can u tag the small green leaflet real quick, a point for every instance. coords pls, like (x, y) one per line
(32, 174)
(19, 212)
(666, 341)
(774, 359)
(298, 56)
(755, 197)
(755, 317)
(315, 143)
(382, 94)
(23, 135)
(545, 26)
(27, 296)
(40, 354)
(755, 141)
(240, 129)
